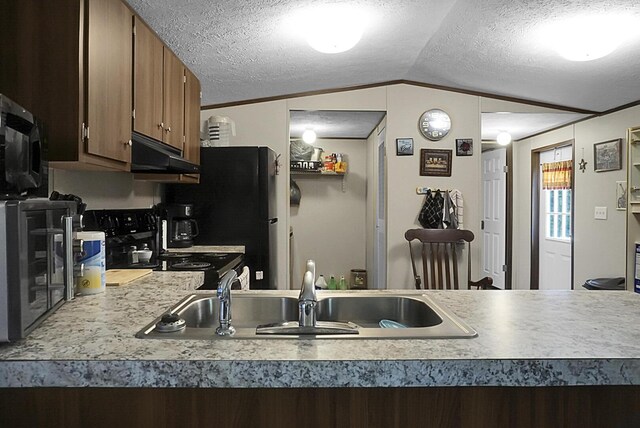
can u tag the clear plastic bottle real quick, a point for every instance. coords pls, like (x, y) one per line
(332, 285)
(321, 283)
(342, 285)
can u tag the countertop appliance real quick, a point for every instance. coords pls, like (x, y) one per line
(182, 228)
(36, 262)
(23, 167)
(128, 228)
(235, 204)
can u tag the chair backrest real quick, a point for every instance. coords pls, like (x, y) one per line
(439, 256)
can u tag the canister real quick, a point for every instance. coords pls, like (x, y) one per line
(93, 279)
(358, 279)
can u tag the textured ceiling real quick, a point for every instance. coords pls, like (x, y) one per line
(333, 123)
(245, 49)
(521, 125)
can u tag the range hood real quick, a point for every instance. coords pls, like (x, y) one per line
(152, 156)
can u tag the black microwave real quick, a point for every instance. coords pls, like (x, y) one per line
(23, 168)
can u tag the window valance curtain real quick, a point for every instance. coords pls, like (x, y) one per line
(557, 175)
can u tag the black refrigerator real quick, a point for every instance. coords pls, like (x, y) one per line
(235, 204)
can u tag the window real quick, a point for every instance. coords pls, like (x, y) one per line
(558, 214)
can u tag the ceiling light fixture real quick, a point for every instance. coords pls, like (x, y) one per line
(332, 29)
(586, 38)
(503, 138)
(309, 136)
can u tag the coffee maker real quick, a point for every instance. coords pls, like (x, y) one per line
(181, 226)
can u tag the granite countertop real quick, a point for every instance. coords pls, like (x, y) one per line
(526, 338)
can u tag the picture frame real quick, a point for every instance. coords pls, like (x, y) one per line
(404, 146)
(464, 146)
(621, 195)
(607, 156)
(435, 162)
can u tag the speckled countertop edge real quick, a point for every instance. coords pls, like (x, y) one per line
(525, 339)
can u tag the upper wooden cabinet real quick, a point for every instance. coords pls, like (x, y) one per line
(159, 89)
(192, 118)
(109, 86)
(148, 86)
(70, 63)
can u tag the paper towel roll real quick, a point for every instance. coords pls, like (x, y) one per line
(93, 279)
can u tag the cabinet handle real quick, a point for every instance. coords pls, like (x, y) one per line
(161, 125)
(128, 143)
(168, 129)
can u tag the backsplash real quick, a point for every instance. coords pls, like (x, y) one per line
(103, 190)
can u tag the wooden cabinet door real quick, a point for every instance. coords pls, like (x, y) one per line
(173, 100)
(192, 118)
(147, 83)
(109, 75)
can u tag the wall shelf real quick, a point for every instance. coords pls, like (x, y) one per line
(319, 173)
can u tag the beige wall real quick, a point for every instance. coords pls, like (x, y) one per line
(329, 224)
(599, 245)
(405, 105)
(105, 190)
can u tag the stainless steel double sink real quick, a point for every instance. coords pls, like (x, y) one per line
(421, 315)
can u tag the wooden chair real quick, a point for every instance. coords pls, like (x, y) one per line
(440, 260)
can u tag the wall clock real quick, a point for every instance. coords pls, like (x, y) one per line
(434, 124)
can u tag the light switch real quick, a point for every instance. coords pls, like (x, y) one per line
(600, 213)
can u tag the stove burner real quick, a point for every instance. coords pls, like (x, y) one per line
(215, 256)
(174, 256)
(191, 265)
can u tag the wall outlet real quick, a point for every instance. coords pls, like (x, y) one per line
(600, 213)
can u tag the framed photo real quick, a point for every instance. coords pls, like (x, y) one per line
(607, 156)
(404, 146)
(435, 162)
(464, 146)
(621, 195)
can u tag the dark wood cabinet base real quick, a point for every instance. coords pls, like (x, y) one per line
(592, 406)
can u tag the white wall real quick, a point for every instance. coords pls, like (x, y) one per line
(105, 190)
(599, 245)
(329, 226)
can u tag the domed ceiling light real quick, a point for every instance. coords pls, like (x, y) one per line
(586, 38)
(503, 138)
(333, 29)
(309, 136)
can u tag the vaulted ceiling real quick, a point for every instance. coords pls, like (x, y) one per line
(245, 50)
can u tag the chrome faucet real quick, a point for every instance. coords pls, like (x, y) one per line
(307, 299)
(224, 296)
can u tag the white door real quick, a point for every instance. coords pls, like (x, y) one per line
(494, 185)
(380, 250)
(555, 229)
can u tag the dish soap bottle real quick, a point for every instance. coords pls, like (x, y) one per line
(342, 285)
(332, 283)
(321, 283)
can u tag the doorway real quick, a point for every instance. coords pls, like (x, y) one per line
(552, 213)
(494, 225)
(335, 218)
